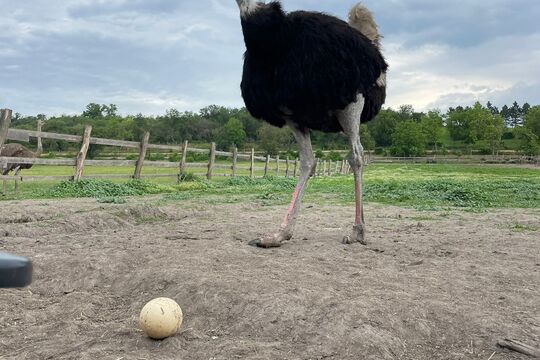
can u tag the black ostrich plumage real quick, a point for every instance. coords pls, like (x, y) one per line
(305, 66)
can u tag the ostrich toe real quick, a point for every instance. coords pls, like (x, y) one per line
(358, 235)
(270, 241)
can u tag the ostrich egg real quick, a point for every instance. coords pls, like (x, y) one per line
(160, 318)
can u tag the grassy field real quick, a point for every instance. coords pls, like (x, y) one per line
(433, 186)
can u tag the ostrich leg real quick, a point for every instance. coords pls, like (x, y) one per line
(349, 119)
(307, 166)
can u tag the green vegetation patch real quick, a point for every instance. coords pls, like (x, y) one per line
(104, 189)
(436, 187)
(436, 192)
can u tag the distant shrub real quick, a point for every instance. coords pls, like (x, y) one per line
(156, 157)
(334, 156)
(196, 157)
(508, 135)
(174, 157)
(485, 151)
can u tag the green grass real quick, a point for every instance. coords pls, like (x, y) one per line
(523, 228)
(432, 186)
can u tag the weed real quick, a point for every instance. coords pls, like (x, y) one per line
(523, 228)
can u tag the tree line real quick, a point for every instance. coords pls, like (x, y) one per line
(400, 132)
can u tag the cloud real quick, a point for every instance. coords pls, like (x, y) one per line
(443, 75)
(459, 23)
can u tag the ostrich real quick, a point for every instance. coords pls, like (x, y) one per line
(16, 150)
(312, 71)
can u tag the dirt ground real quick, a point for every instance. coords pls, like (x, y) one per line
(431, 285)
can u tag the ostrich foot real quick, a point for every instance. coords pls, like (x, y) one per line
(269, 241)
(358, 235)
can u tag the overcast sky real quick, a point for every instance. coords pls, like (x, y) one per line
(148, 56)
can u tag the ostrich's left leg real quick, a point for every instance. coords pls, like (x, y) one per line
(307, 166)
(349, 119)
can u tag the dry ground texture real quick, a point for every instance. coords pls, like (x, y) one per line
(432, 285)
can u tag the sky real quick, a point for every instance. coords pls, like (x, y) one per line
(147, 56)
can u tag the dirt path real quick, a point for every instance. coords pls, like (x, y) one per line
(431, 285)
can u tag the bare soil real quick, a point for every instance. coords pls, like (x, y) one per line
(431, 285)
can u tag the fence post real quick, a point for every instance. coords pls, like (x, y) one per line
(142, 155)
(266, 165)
(211, 161)
(324, 168)
(183, 161)
(39, 143)
(234, 160)
(277, 165)
(295, 167)
(287, 167)
(81, 156)
(252, 167)
(17, 179)
(337, 168)
(316, 167)
(5, 121)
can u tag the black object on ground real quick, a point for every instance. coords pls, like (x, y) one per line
(15, 271)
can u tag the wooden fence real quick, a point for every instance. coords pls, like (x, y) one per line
(267, 165)
(257, 165)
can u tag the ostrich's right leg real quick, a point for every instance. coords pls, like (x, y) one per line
(307, 166)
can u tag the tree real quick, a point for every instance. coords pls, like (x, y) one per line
(231, 133)
(532, 120)
(493, 131)
(525, 108)
(408, 140)
(528, 141)
(251, 125)
(109, 110)
(405, 112)
(273, 139)
(218, 114)
(473, 124)
(93, 110)
(515, 115)
(494, 110)
(366, 139)
(432, 128)
(383, 126)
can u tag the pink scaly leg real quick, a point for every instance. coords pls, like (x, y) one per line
(307, 166)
